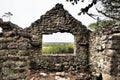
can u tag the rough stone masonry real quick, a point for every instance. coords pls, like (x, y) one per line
(20, 49)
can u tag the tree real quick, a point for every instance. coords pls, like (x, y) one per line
(109, 8)
(8, 15)
(101, 24)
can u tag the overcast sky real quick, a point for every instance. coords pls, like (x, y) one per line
(27, 11)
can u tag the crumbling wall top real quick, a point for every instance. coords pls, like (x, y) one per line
(56, 20)
(8, 26)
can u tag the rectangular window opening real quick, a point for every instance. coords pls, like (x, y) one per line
(58, 43)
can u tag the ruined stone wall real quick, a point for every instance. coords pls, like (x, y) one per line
(14, 54)
(105, 52)
(59, 20)
(20, 49)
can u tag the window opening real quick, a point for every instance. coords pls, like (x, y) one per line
(58, 43)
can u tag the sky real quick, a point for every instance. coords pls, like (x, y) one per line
(59, 37)
(26, 12)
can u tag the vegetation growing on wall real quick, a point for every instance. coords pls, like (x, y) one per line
(101, 24)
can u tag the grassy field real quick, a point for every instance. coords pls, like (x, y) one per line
(57, 48)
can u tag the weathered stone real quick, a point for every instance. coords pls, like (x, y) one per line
(21, 49)
(62, 74)
(35, 43)
(12, 51)
(61, 78)
(1, 39)
(23, 53)
(104, 37)
(35, 38)
(9, 34)
(110, 46)
(99, 48)
(25, 34)
(43, 74)
(57, 65)
(65, 63)
(23, 46)
(3, 45)
(12, 45)
(114, 37)
(107, 77)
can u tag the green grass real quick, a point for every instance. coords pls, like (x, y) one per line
(57, 48)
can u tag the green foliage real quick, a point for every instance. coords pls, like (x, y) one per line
(93, 26)
(102, 24)
(57, 48)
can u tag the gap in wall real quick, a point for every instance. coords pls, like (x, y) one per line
(58, 43)
(1, 30)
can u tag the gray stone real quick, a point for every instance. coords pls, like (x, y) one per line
(61, 78)
(62, 74)
(98, 47)
(43, 74)
(104, 37)
(57, 65)
(21, 49)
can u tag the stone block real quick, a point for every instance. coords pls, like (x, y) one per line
(112, 53)
(9, 34)
(111, 46)
(20, 70)
(12, 45)
(23, 46)
(60, 74)
(13, 64)
(6, 71)
(98, 48)
(35, 43)
(3, 52)
(106, 76)
(3, 45)
(65, 63)
(22, 39)
(58, 65)
(104, 37)
(103, 45)
(9, 39)
(114, 37)
(13, 51)
(114, 42)
(23, 53)
(2, 39)
(15, 76)
(25, 34)
(16, 58)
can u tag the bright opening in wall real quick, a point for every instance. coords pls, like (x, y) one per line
(58, 43)
(0, 30)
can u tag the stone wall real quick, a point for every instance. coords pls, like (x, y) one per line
(105, 52)
(59, 20)
(20, 49)
(14, 52)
